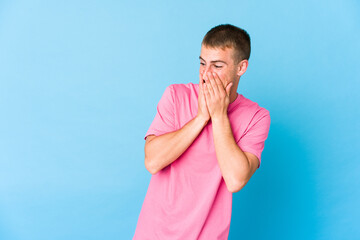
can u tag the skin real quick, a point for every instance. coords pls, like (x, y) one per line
(221, 74)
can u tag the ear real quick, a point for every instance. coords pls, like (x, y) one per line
(241, 67)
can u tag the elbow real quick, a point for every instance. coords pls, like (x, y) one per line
(238, 182)
(149, 161)
(236, 187)
(149, 166)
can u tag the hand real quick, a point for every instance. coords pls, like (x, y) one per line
(217, 95)
(203, 111)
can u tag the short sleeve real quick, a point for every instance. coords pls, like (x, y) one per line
(164, 118)
(253, 140)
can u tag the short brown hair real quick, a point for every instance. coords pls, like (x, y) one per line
(227, 35)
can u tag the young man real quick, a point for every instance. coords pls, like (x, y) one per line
(204, 144)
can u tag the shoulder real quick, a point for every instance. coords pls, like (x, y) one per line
(183, 89)
(250, 112)
(253, 107)
(180, 93)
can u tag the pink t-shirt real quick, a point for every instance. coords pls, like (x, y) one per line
(188, 199)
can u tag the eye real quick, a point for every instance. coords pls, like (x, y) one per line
(201, 63)
(216, 66)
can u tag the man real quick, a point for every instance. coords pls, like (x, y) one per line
(204, 144)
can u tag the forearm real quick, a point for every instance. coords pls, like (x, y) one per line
(165, 149)
(233, 163)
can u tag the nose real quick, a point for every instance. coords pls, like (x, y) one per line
(204, 72)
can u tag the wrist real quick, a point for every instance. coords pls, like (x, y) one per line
(201, 120)
(219, 118)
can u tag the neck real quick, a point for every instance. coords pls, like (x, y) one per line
(233, 97)
(233, 93)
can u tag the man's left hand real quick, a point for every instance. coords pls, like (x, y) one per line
(217, 95)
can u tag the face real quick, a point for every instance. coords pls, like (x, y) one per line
(220, 62)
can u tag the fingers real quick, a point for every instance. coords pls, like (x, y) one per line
(208, 84)
(228, 88)
(206, 94)
(206, 88)
(202, 88)
(214, 85)
(218, 81)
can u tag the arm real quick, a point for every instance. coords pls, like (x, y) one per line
(162, 150)
(236, 166)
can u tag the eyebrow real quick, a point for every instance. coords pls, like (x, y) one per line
(213, 61)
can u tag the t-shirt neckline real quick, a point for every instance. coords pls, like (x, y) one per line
(236, 102)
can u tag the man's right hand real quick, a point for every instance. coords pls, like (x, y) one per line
(203, 112)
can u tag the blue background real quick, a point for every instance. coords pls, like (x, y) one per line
(79, 85)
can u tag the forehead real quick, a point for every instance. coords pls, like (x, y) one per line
(216, 53)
